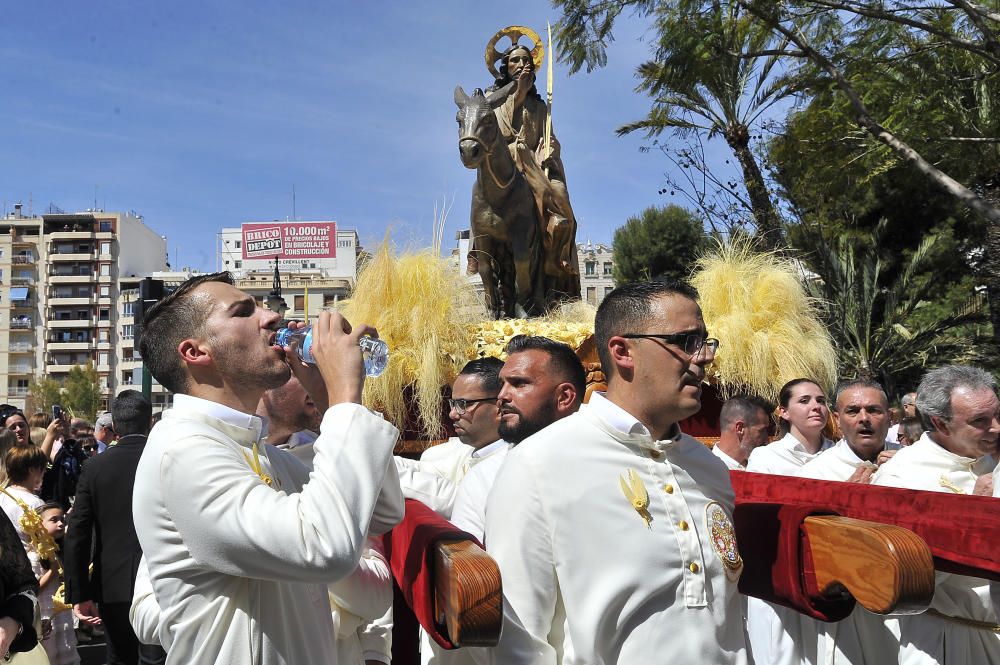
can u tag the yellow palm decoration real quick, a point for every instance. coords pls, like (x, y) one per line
(635, 491)
(257, 467)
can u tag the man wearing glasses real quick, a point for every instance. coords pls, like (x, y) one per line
(433, 479)
(613, 529)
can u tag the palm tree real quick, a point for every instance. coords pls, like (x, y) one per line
(883, 330)
(702, 80)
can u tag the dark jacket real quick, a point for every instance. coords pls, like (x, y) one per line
(101, 521)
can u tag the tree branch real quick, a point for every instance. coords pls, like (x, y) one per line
(864, 118)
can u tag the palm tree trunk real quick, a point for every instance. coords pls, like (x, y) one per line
(765, 216)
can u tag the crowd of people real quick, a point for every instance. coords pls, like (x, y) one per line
(259, 501)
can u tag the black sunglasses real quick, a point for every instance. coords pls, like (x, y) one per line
(691, 343)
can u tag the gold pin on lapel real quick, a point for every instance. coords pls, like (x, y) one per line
(257, 467)
(635, 491)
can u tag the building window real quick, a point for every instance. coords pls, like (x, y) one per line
(239, 243)
(590, 267)
(607, 268)
(592, 295)
(128, 308)
(237, 264)
(329, 299)
(104, 314)
(102, 335)
(607, 290)
(105, 247)
(102, 358)
(105, 226)
(105, 270)
(300, 303)
(105, 291)
(126, 354)
(127, 331)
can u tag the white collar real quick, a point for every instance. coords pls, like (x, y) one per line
(720, 453)
(489, 449)
(791, 442)
(221, 412)
(846, 453)
(616, 416)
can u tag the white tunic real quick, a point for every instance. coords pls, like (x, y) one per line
(585, 580)
(469, 513)
(240, 569)
(433, 479)
(836, 463)
(730, 463)
(928, 638)
(862, 638)
(779, 635)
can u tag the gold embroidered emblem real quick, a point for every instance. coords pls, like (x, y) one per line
(257, 467)
(635, 491)
(723, 536)
(947, 484)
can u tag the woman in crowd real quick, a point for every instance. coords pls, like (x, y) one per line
(778, 635)
(25, 468)
(803, 411)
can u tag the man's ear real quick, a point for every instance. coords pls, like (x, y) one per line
(566, 397)
(940, 424)
(621, 355)
(741, 427)
(193, 352)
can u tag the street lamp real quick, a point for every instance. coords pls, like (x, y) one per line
(274, 301)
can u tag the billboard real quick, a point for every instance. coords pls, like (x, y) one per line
(290, 240)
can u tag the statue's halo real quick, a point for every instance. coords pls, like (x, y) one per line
(515, 32)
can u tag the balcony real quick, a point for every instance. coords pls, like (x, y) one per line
(22, 304)
(17, 391)
(79, 233)
(22, 280)
(89, 278)
(71, 345)
(13, 370)
(24, 323)
(24, 241)
(71, 323)
(70, 300)
(21, 347)
(22, 260)
(66, 256)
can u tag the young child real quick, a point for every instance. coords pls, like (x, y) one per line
(57, 622)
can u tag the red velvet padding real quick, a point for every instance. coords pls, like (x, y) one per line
(410, 548)
(774, 568)
(962, 531)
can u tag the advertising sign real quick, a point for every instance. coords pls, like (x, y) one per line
(290, 240)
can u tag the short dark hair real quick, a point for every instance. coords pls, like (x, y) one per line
(49, 505)
(131, 413)
(488, 371)
(21, 460)
(562, 358)
(857, 383)
(168, 323)
(912, 427)
(627, 309)
(742, 407)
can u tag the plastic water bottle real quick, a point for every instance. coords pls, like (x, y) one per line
(375, 351)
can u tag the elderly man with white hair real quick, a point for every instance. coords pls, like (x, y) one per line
(962, 417)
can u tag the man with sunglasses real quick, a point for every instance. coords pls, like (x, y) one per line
(612, 529)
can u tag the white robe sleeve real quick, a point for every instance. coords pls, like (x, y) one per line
(144, 615)
(434, 491)
(376, 639)
(365, 594)
(519, 541)
(469, 513)
(233, 523)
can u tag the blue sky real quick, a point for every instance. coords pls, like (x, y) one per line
(204, 115)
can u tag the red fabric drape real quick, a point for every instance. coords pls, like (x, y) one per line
(410, 548)
(961, 531)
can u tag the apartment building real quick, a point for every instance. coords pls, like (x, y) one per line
(308, 285)
(60, 277)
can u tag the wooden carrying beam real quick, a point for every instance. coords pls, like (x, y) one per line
(468, 600)
(887, 569)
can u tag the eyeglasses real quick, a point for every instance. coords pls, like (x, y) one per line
(462, 405)
(691, 343)
(90, 449)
